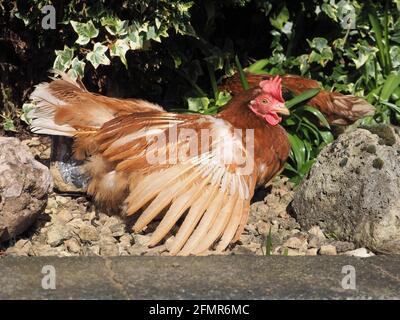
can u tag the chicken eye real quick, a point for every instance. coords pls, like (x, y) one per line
(264, 101)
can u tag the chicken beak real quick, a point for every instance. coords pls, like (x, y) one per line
(281, 109)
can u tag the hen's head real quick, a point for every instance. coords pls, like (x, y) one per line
(269, 103)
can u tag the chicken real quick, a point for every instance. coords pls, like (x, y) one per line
(196, 171)
(339, 109)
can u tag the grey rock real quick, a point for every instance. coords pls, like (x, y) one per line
(24, 184)
(353, 190)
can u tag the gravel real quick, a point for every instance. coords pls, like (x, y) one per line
(73, 226)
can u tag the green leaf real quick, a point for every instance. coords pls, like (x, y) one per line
(119, 49)
(223, 98)
(77, 68)
(26, 109)
(318, 114)
(391, 84)
(330, 11)
(377, 29)
(98, 55)
(198, 104)
(257, 67)
(85, 31)
(363, 54)
(8, 125)
(279, 21)
(327, 136)
(306, 95)
(298, 149)
(242, 76)
(115, 26)
(63, 59)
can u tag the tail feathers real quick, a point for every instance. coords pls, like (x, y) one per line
(342, 109)
(64, 107)
(51, 100)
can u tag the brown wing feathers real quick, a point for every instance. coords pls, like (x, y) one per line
(209, 196)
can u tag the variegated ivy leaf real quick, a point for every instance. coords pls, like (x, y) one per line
(395, 56)
(115, 26)
(321, 53)
(279, 21)
(63, 59)
(135, 40)
(152, 34)
(77, 68)
(119, 49)
(330, 11)
(85, 31)
(25, 114)
(303, 63)
(363, 54)
(98, 55)
(198, 104)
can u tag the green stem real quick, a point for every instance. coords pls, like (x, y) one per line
(242, 76)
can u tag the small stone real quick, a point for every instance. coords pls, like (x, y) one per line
(250, 228)
(169, 242)
(142, 240)
(21, 248)
(295, 243)
(156, 251)
(89, 216)
(312, 252)
(343, 246)
(316, 231)
(294, 253)
(328, 250)
(117, 230)
(108, 249)
(314, 241)
(360, 253)
(88, 233)
(52, 204)
(94, 250)
(34, 142)
(65, 215)
(72, 245)
(57, 234)
(126, 239)
(45, 154)
(263, 227)
(137, 250)
(62, 200)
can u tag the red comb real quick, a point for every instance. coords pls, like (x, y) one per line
(273, 87)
